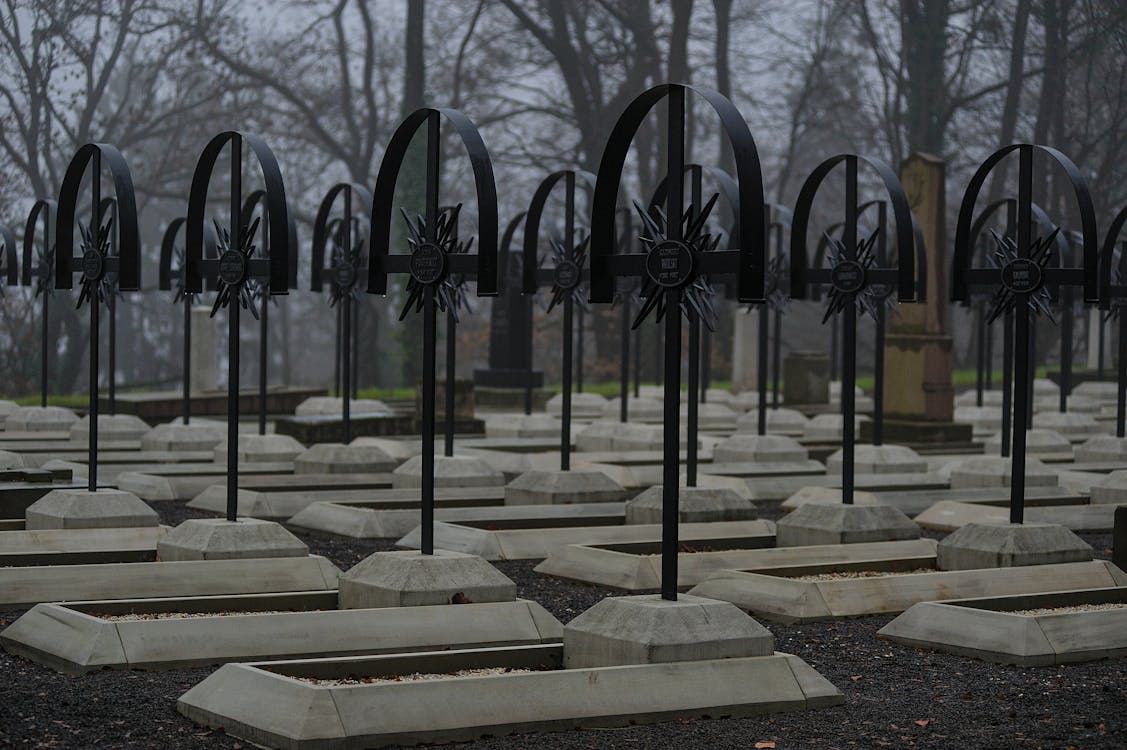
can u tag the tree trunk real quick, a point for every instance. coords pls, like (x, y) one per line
(1013, 95)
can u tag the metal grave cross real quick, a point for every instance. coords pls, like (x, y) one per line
(96, 262)
(1113, 302)
(855, 278)
(346, 267)
(565, 277)
(237, 268)
(43, 271)
(1022, 277)
(167, 276)
(678, 255)
(436, 255)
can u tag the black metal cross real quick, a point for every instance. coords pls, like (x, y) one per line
(678, 255)
(1113, 302)
(565, 276)
(42, 213)
(107, 214)
(167, 275)
(95, 261)
(433, 257)
(854, 277)
(237, 267)
(9, 265)
(1022, 276)
(347, 266)
(777, 292)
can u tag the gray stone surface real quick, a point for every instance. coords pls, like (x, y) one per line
(174, 436)
(9, 460)
(826, 496)
(711, 416)
(650, 630)
(331, 406)
(411, 579)
(829, 426)
(40, 419)
(1102, 448)
(24, 586)
(524, 426)
(583, 405)
(449, 471)
(1039, 443)
(606, 435)
(1105, 391)
(949, 515)
(220, 539)
(70, 640)
(641, 409)
(759, 449)
(6, 408)
(780, 421)
(816, 523)
(1073, 424)
(1111, 490)
(337, 458)
(981, 417)
(695, 505)
(1006, 545)
(257, 448)
(994, 471)
(82, 509)
(563, 487)
(879, 459)
(110, 427)
(79, 546)
(400, 450)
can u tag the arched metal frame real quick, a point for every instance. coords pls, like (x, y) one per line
(747, 264)
(964, 276)
(903, 277)
(126, 264)
(533, 277)
(323, 230)
(41, 214)
(233, 274)
(483, 265)
(778, 227)
(1113, 294)
(165, 274)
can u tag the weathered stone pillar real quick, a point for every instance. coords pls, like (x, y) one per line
(745, 350)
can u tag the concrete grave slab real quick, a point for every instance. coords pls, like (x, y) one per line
(6, 408)
(220, 539)
(637, 566)
(583, 406)
(400, 450)
(760, 449)
(364, 515)
(1006, 545)
(1028, 630)
(780, 488)
(988, 418)
(695, 505)
(950, 515)
(185, 481)
(916, 502)
(337, 458)
(257, 448)
(880, 459)
(270, 704)
(39, 419)
(412, 579)
(1073, 425)
(1102, 448)
(16, 497)
(712, 416)
(79, 546)
(639, 409)
(316, 406)
(825, 496)
(533, 544)
(449, 471)
(80, 637)
(616, 436)
(9, 460)
(110, 427)
(813, 593)
(21, 587)
(82, 509)
(176, 436)
(289, 498)
(748, 470)
(1111, 489)
(837, 523)
(524, 425)
(828, 427)
(512, 465)
(563, 487)
(1039, 443)
(995, 471)
(790, 422)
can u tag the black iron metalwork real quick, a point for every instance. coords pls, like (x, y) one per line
(9, 263)
(778, 295)
(95, 261)
(347, 266)
(678, 255)
(433, 259)
(1023, 275)
(167, 277)
(1113, 303)
(625, 289)
(237, 269)
(41, 215)
(107, 213)
(565, 276)
(854, 277)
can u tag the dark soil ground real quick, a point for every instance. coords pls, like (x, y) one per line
(894, 696)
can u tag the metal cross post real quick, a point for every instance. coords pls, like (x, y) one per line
(107, 214)
(95, 261)
(435, 255)
(679, 254)
(9, 264)
(166, 277)
(1113, 302)
(777, 294)
(1022, 276)
(257, 201)
(347, 265)
(854, 276)
(565, 277)
(41, 215)
(237, 269)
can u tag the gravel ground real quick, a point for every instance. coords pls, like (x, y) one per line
(895, 696)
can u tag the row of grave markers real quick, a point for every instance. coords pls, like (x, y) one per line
(680, 260)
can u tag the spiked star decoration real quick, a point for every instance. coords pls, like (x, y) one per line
(234, 283)
(568, 273)
(346, 272)
(696, 292)
(1022, 276)
(428, 263)
(849, 277)
(95, 247)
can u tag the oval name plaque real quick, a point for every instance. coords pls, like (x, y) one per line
(1021, 276)
(670, 263)
(232, 267)
(428, 263)
(848, 277)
